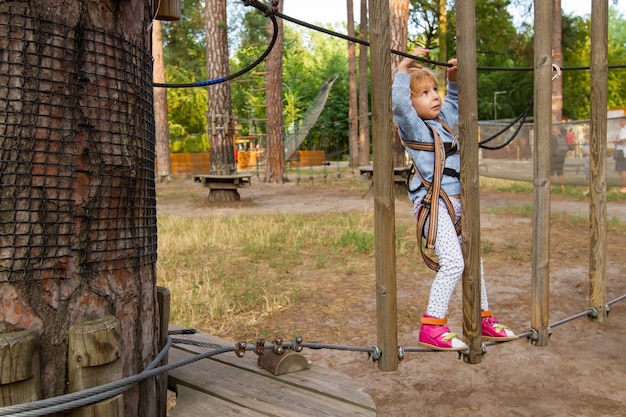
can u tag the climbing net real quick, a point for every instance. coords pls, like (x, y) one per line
(76, 151)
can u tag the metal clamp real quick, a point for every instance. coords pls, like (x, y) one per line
(260, 347)
(400, 353)
(278, 346)
(240, 349)
(296, 343)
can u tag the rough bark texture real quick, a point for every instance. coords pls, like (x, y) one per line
(220, 114)
(364, 119)
(275, 166)
(443, 46)
(160, 105)
(77, 200)
(220, 108)
(353, 103)
(399, 21)
(557, 58)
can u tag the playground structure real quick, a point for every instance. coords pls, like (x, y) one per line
(387, 352)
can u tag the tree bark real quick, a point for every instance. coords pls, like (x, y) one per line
(399, 23)
(220, 118)
(353, 122)
(443, 46)
(275, 165)
(77, 194)
(164, 170)
(364, 108)
(557, 58)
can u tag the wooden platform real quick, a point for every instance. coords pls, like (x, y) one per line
(399, 173)
(226, 385)
(223, 182)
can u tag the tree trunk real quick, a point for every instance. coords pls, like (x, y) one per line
(364, 119)
(443, 46)
(219, 117)
(164, 170)
(557, 58)
(399, 21)
(353, 103)
(275, 166)
(77, 193)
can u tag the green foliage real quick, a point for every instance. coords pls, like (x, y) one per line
(190, 143)
(311, 57)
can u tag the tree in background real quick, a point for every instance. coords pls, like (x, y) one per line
(399, 20)
(557, 59)
(184, 44)
(161, 127)
(364, 120)
(219, 117)
(275, 163)
(353, 104)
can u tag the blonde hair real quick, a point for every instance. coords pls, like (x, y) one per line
(420, 77)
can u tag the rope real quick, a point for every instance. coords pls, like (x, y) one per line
(102, 392)
(521, 119)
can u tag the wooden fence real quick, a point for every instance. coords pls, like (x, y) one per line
(198, 163)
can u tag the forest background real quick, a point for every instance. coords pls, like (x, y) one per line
(311, 57)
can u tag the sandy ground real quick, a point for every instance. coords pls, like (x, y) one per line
(582, 371)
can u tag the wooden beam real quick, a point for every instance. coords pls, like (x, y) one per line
(468, 131)
(541, 161)
(384, 200)
(598, 145)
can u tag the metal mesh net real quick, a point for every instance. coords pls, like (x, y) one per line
(76, 151)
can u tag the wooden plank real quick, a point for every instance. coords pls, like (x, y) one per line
(192, 403)
(317, 378)
(256, 391)
(223, 182)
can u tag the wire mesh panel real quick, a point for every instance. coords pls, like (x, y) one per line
(77, 189)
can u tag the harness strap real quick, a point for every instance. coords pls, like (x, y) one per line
(430, 203)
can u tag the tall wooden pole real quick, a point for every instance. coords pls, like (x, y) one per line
(597, 203)
(541, 162)
(384, 201)
(468, 131)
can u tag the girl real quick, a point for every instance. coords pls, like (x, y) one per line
(424, 123)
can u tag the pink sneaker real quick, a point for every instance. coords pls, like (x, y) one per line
(435, 335)
(493, 330)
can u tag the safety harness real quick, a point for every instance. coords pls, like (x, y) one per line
(430, 202)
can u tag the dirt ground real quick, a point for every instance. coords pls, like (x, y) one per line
(582, 371)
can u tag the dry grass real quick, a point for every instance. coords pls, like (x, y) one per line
(224, 273)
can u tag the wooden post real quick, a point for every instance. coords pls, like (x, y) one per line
(20, 380)
(168, 10)
(468, 131)
(163, 299)
(384, 200)
(597, 202)
(541, 174)
(94, 359)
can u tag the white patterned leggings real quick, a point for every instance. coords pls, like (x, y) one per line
(448, 250)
